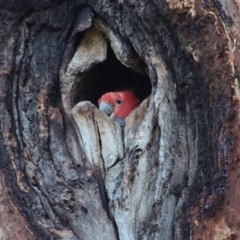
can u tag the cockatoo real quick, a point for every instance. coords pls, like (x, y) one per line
(118, 105)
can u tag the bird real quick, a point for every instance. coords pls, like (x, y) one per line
(118, 105)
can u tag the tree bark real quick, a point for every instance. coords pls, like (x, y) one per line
(68, 171)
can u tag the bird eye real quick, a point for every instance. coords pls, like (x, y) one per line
(118, 101)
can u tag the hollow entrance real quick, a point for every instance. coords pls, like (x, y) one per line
(109, 76)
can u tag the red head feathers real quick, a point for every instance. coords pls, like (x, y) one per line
(118, 104)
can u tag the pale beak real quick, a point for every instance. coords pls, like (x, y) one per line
(105, 107)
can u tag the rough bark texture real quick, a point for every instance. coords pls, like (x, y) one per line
(67, 171)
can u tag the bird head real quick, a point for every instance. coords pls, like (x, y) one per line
(118, 105)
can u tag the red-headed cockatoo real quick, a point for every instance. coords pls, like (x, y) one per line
(118, 105)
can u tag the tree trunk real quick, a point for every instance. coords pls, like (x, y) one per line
(68, 171)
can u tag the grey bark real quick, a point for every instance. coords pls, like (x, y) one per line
(70, 172)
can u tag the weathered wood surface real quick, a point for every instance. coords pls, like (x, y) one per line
(65, 172)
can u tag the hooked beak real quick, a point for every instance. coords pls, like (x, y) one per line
(105, 107)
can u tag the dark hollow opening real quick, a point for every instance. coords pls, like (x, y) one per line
(109, 76)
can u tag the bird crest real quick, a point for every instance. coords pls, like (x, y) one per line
(118, 105)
